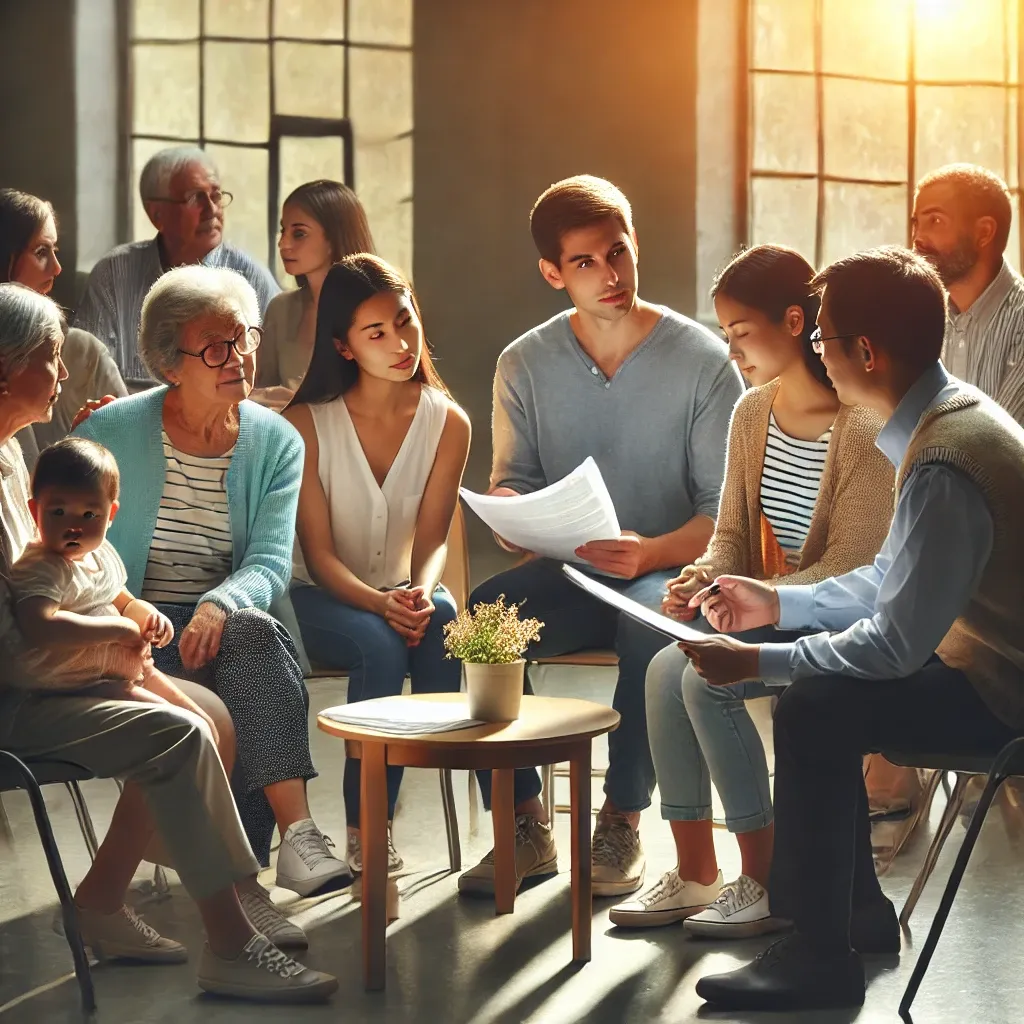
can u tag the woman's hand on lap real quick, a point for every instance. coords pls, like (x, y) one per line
(200, 639)
(676, 603)
(407, 611)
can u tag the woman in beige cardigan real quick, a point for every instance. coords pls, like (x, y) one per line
(807, 495)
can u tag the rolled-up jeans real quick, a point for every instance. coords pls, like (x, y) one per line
(701, 733)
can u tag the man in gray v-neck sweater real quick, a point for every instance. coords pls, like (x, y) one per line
(649, 394)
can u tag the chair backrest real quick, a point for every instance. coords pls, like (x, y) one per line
(456, 570)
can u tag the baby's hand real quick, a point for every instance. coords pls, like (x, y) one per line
(158, 629)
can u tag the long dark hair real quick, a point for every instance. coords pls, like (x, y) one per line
(336, 208)
(349, 283)
(771, 279)
(21, 216)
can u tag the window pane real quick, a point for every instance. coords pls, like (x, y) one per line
(249, 19)
(309, 79)
(785, 133)
(1010, 35)
(244, 173)
(853, 42)
(165, 89)
(861, 217)
(380, 93)
(960, 40)
(865, 129)
(310, 19)
(380, 21)
(236, 100)
(142, 150)
(957, 123)
(158, 19)
(1013, 245)
(783, 34)
(784, 212)
(384, 184)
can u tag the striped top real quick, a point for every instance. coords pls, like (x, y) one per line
(111, 307)
(984, 345)
(790, 481)
(190, 553)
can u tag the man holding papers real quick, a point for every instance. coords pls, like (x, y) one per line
(647, 394)
(922, 650)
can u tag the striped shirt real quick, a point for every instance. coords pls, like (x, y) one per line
(790, 481)
(190, 553)
(112, 305)
(984, 345)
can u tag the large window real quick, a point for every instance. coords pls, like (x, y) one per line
(280, 92)
(851, 101)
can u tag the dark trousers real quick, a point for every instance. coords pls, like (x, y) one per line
(823, 726)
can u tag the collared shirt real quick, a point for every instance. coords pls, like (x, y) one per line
(885, 620)
(984, 345)
(112, 305)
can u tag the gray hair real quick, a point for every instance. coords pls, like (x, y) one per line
(161, 167)
(27, 320)
(179, 297)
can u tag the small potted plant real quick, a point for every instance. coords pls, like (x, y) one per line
(491, 641)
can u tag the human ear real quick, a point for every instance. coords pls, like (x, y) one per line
(342, 349)
(114, 506)
(551, 273)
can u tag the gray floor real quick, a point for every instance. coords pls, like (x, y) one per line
(451, 960)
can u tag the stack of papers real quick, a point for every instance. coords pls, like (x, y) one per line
(403, 716)
(556, 520)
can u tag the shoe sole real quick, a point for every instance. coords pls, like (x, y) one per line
(747, 930)
(485, 886)
(776, 1002)
(317, 993)
(315, 886)
(105, 951)
(623, 888)
(651, 918)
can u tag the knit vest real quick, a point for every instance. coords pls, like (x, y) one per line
(973, 435)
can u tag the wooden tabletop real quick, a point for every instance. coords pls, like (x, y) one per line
(542, 720)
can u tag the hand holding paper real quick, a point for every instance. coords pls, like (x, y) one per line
(722, 660)
(625, 557)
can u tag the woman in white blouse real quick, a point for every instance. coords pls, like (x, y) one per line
(385, 451)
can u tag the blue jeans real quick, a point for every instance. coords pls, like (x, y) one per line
(377, 660)
(575, 621)
(701, 733)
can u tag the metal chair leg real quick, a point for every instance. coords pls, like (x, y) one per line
(547, 793)
(949, 816)
(451, 821)
(84, 818)
(60, 881)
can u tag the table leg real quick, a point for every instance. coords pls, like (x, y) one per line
(503, 818)
(582, 900)
(373, 825)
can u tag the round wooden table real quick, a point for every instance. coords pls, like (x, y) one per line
(549, 730)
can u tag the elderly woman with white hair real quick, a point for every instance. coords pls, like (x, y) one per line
(167, 756)
(206, 527)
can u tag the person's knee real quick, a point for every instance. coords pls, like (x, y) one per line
(805, 709)
(252, 626)
(444, 609)
(637, 643)
(663, 684)
(699, 694)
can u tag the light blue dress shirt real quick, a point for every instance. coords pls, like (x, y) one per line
(885, 620)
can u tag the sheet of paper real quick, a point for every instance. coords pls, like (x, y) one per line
(662, 623)
(403, 717)
(556, 520)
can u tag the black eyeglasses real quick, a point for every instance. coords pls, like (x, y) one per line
(217, 353)
(194, 200)
(818, 342)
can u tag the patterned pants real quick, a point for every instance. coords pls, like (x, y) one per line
(257, 676)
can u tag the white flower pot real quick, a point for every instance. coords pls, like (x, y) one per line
(494, 691)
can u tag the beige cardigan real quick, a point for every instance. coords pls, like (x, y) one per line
(851, 516)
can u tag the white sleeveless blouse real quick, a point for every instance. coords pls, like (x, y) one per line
(373, 527)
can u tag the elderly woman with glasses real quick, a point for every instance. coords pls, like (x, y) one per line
(210, 486)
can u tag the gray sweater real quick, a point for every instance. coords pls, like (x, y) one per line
(657, 429)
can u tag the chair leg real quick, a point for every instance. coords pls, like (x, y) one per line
(474, 803)
(451, 821)
(952, 885)
(547, 793)
(84, 818)
(60, 881)
(949, 816)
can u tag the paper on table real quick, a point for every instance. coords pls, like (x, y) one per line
(403, 717)
(662, 623)
(555, 520)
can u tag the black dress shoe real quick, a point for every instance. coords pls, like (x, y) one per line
(789, 975)
(875, 930)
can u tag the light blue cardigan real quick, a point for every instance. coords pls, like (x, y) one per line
(263, 496)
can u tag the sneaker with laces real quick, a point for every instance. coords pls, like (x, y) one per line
(306, 863)
(740, 911)
(262, 973)
(269, 920)
(535, 855)
(354, 854)
(670, 899)
(124, 935)
(617, 858)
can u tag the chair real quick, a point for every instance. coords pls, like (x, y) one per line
(17, 774)
(1009, 761)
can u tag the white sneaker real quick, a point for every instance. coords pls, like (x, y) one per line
(354, 853)
(123, 935)
(306, 863)
(740, 911)
(262, 973)
(268, 919)
(670, 899)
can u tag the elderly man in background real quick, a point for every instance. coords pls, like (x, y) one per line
(180, 190)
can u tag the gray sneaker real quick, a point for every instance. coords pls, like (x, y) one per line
(268, 919)
(617, 858)
(535, 855)
(354, 853)
(125, 936)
